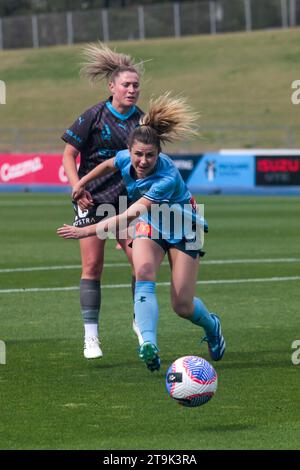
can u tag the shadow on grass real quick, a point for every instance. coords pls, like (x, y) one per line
(246, 360)
(254, 360)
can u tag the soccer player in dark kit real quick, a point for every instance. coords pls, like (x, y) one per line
(97, 135)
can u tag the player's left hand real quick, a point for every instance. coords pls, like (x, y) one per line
(78, 191)
(85, 202)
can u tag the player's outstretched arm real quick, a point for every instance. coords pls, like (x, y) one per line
(113, 224)
(69, 231)
(120, 222)
(102, 169)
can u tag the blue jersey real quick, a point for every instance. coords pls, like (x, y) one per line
(165, 187)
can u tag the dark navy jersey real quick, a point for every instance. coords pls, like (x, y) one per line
(99, 133)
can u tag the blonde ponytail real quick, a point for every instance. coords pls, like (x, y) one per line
(167, 119)
(102, 63)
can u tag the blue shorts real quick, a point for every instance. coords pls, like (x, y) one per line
(144, 230)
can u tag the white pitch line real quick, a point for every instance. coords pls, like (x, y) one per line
(41, 268)
(160, 284)
(254, 261)
(124, 265)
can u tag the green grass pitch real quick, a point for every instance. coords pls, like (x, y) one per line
(52, 398)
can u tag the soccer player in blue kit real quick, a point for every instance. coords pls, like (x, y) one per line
(98, 134)
(151, 180)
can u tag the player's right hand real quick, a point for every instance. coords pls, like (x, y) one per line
(69, 231)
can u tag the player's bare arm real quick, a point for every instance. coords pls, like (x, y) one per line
(102, 169)
(108, 225)
(122, 221)
(85, 201)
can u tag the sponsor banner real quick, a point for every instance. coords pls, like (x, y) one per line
(277, 170)
(46, 169)
(227, 171)
(186, 164)
(216, 172)
(32, 169)
(255, 171)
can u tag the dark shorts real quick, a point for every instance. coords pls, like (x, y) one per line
(89, 216)
(143, 230)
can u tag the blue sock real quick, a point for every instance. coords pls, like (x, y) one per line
(202, 317)
(146, 310)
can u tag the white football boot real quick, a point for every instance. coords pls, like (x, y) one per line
(92, 348)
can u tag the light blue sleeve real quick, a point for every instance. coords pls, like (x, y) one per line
(161, 191)
(117, 161)
(121, 159)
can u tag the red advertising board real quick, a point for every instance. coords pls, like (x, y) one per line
(31, 169)
(281, 170)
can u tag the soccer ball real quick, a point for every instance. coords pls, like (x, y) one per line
(191, 381)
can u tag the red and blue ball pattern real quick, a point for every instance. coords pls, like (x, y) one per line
(191, 381)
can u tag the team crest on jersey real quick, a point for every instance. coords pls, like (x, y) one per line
(105, 133)
(142, 229)
(81, 120)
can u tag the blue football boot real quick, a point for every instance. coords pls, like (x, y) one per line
(216, 341)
